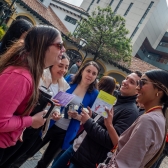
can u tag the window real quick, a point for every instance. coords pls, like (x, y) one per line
(118, 6)
(111, 2)
(70, 20)
(142, 19)
(128, 9)
(163, 44)
(153, 57)
(98, 1)
(90, 5)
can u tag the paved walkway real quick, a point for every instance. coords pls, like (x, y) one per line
(32, 162)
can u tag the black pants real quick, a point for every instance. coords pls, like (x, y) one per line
(14, 152)
(55, 136)
(1, 153)
(22, 157)
(6, 153)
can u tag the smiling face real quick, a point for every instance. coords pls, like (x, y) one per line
(54, 53)
(147, 92)
(129, 84)
(59, 70)
(89, 74)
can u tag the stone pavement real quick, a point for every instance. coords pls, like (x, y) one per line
(32, 162)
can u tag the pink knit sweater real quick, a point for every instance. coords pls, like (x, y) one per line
(16, 87)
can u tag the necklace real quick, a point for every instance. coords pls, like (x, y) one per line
(153, 108)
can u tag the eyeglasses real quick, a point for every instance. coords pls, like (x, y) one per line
(141, 83)
(58, 45)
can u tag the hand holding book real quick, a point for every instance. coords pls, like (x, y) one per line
(103, 100)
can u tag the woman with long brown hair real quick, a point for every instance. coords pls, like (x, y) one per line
(21, 68)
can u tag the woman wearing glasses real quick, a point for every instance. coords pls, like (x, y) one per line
(21, 68)
(141, 144)
(52, 78)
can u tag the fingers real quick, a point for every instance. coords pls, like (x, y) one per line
(44, 113)
(44, 120)
(109, 111)
(56, 102)
(90, 111)
(83, 112)
(89, 108)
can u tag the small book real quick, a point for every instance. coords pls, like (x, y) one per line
(103, 100)
(64, 98)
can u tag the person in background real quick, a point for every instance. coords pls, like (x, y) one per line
(141, 144)
(141, 108)
(52, 78)
(16, 31)
(107, 84)
(117, 90)
(21, 68)
(75, 67)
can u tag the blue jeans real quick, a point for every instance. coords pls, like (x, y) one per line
(72, 166)
(63, 160)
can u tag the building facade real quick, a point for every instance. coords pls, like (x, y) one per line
(147, 22)
(55, 12)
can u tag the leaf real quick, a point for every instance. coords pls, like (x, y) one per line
(106, 35)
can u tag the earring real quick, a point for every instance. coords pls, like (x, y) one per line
(157, 94)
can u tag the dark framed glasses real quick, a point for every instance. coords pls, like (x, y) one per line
(141, 83)
(58, 45)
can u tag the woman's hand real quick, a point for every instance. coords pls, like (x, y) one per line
(56, 102)
(84, 116)
(109, 119)
(56, 116)
(38, 120)
(73, 114)
(90, 111)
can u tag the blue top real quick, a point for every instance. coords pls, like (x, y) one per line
(73, 127)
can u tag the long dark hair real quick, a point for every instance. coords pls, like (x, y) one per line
(30, 54)
(160, 77)
(107, 84)
(78, 77)
(14, 32)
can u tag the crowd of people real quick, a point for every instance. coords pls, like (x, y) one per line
(132, 136)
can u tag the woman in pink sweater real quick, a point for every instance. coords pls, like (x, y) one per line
(21, 68)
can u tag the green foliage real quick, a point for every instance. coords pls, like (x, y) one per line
(2, 32)
(106, 34)
(4, 27)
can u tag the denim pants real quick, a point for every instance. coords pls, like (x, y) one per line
(72, 166)
(62, 161)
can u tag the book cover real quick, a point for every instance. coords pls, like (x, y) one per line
(103, 100)
(64, 98)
